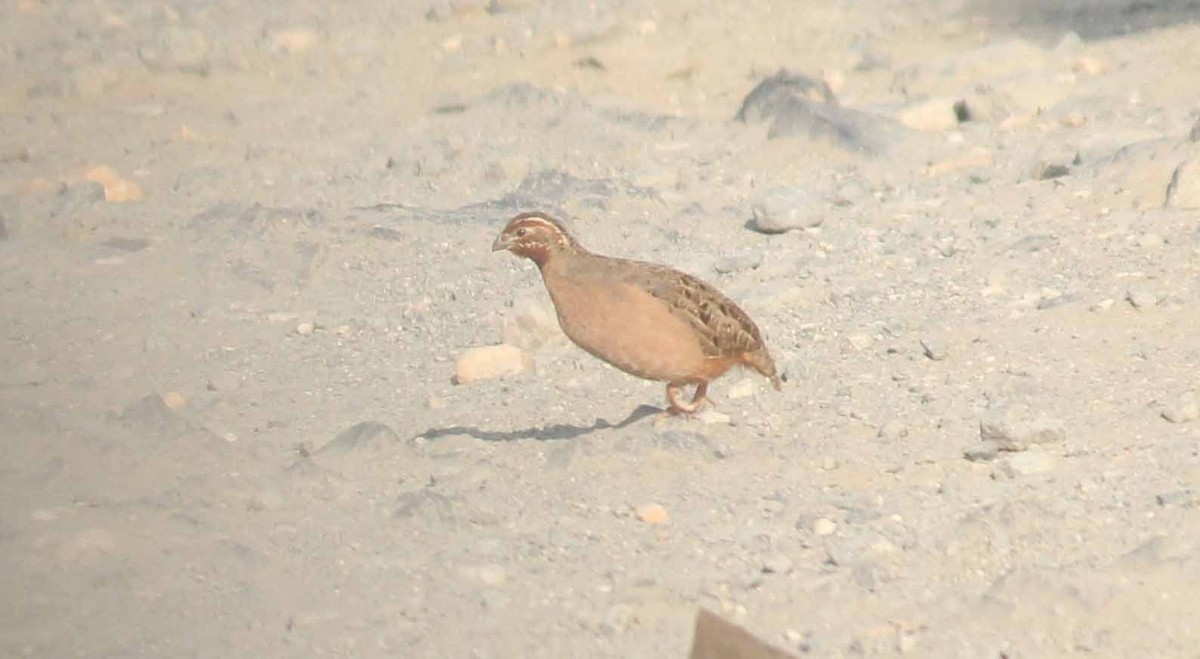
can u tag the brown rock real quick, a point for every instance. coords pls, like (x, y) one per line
(652, 513)
(116, 189)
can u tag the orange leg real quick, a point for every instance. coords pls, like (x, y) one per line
(675, 397)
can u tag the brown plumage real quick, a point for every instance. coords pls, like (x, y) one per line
(648, 320)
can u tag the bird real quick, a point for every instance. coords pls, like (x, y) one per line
(650, 321)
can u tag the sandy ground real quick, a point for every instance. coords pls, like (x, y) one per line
(243, 247)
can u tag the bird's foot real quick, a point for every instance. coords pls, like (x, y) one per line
(679, 406)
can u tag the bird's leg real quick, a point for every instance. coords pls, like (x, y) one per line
(678, 406)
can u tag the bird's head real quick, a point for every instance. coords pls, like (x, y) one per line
(535, 236)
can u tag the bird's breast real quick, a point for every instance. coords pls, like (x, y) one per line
(627, 327)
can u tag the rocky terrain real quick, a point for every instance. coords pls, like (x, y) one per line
(265, 391)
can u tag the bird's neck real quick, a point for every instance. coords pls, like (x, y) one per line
(550, 257)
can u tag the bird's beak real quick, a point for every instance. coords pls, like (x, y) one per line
(502, 242)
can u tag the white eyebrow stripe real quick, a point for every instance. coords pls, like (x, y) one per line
(560, 234)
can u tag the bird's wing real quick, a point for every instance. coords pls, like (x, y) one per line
(721, 326)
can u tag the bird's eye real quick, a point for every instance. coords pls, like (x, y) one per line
(520, 232)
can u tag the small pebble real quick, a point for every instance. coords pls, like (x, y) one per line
(617, 620)
(776, 563)
(823, 526)
(174, 401)
(305, 329)
(493, 575)
(892, 430)
(652, 513)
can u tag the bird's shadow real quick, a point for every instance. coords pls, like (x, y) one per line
(556, 432)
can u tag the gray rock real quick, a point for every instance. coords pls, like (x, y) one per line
(364, 435)
(983, 452)
(1141, 296)
(3, 229)
(1007, 431)
(782, 209)
(1186, 498)
(1183, 191)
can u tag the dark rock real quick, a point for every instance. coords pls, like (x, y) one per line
(800, 106)
(1186, 498)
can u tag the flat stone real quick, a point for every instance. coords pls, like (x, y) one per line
(487, 362)
(1027, 463)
